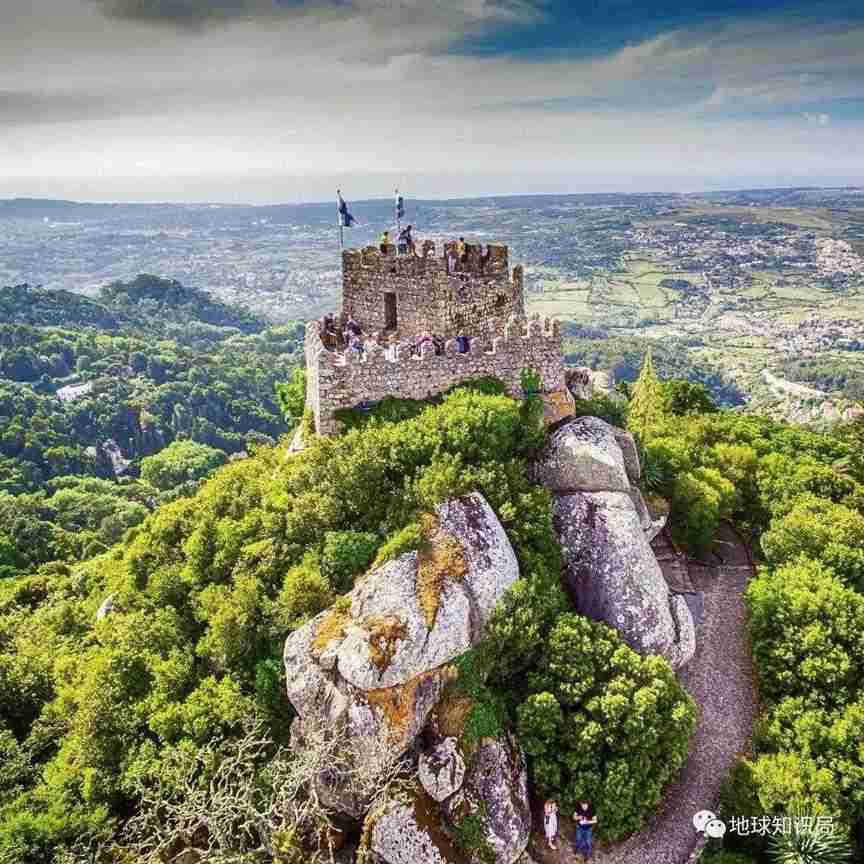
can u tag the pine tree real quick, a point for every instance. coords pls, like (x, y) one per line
(647, 405)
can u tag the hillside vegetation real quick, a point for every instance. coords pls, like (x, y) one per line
(104, 708)
(90, 389)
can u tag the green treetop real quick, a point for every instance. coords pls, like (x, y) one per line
(647, 403)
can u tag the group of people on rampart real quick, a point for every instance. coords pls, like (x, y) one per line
(349, 336)
(406, 245)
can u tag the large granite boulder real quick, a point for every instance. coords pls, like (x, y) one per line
(583, 456)
(612, 575)
(629, 451)
(407, 830)
(374, 666)
(496, 787)
(652, 522)
(418, 830)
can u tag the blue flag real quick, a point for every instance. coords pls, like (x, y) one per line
(346, 220)
(400, 206)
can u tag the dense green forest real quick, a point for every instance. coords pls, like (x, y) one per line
(622, 357)
(103, 714)
(91, 389)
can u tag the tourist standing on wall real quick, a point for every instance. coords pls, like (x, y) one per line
(406, 241)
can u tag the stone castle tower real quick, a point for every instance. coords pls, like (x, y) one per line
(395, 298)
(413, 293)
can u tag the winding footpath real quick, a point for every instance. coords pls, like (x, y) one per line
(720, 678)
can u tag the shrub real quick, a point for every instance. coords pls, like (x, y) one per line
(823, 531)
(345, 554)
(600, 405)
(807, 636)
(180, 462)
(604, 723)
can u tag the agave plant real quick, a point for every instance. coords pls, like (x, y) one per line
(805, 845)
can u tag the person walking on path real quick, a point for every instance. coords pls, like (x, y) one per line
(550, 822)
(585, 821)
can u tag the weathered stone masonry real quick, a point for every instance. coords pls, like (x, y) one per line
(417, 293)
(345, 380)
(481, 303)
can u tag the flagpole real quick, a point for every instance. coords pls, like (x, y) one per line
(340, 218)
(398, 217)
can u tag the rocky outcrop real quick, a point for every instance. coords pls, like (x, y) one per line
(407, 830)
(629, 451)
(583, 456)
(442, 770)
(604, 527)
(374, 666)
(652, 524)
(494, 792)
(557, 406)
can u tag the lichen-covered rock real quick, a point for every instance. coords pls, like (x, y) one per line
(442, 770)
(374, 666)
(557, 406)
(418, 612)
(496, 789)
(583, 456)
(408, 831)
(652, 524)
(613, 576)
(627, 443)
(685, 646)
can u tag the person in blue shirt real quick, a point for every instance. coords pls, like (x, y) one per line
(585, 821)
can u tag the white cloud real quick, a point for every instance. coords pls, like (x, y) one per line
(370, 92)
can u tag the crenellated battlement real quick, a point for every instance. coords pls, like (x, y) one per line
(432, 289)
(486, 262)
(458, 299)
(344, 379)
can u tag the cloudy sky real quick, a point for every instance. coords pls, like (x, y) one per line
(281, 100)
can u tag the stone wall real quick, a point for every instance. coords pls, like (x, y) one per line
(476, 299)
(344, 380)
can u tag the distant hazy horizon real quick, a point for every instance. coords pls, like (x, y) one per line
(385, 198)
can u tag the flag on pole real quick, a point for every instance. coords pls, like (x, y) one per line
(346, 220)
(400, 206)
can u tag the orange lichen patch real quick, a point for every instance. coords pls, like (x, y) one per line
(557, 406)
(452, 715)
(332, 628)
(397, 703)
(439, 559)
(657, 506)
(384, 633)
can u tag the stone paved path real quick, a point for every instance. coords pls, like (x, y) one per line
(720, 679)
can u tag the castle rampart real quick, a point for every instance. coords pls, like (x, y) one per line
(344, 380)
(457, 301)
(471, 295)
